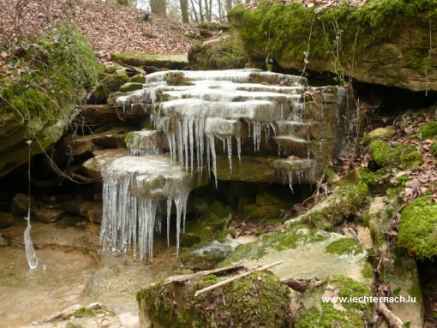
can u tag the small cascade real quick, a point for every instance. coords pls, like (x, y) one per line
(135, 191)
(198, 110)
(144, 142)
(199, 118)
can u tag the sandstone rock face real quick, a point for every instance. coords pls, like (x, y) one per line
(39, 104)
(379, 42)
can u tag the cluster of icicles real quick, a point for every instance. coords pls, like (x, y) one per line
(209, 106)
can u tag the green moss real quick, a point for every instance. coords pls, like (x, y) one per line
(290, 238)
(400, 155)
(210, 222)
(350, 288)
(227, 52)
(37, 101)
(267, 208)
(144, 59)
(328, 317)
(340, 35)
(418, 228)
(344, 246)
(138, 78)
(428, 130)
(177, 78)
(259, 300)
(434, 149)
(131, 86)
(109, 83)
(84, 312)
(345, 201)
(367, 271)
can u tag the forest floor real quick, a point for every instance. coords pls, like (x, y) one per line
(110, 28)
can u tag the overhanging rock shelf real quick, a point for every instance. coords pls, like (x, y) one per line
(201, 117)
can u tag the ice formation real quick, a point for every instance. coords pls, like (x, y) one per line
(197, 115)
(135, 191)
(144, 142)
(199, 110)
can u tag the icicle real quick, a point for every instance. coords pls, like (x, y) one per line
(211, 143)
(132, 202)
(169, 204)
(32, 259)
(290, 181)
(229, 146)
(239, 147)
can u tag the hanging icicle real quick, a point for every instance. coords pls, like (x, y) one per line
(32, 259)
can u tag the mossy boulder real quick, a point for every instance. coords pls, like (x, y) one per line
(37, 101)
(138, 78)
(210, 222)
(131, 86)
(207, 256)
(382, 42)
(403, 156)
(428, 130)
(384, 133)
(319, 313)
(266, 208)
(418, 228)
(144, 59)
(222, 53)
(344, 246)
(345, 201)
(258, 300)
(108, 84)
(434, 149)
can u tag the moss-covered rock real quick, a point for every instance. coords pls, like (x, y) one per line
(434, 149)
(344, 246)
(319, 313)
(108, 84)
(144, 59)
(131, 86)
(267, 208)
(381, 133)
(346, 200)
(383, 42)
(138, 78)
(221, 53)
(258, 300)
(418, 228)
(37, 102)
(400, 156)
(428, 130)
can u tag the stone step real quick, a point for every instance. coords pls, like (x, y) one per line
(217, 126)
(145, 142)
(300, 129)
(233, 75)
(236, 95)
(113, 138)
(297, 170)
(293, 145)
(94, 165)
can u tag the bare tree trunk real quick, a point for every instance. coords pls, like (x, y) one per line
(210, 11)
(228, 4)
(201, 13)
(220, 10)
(159, 7)
(184, 10)
(194, 12)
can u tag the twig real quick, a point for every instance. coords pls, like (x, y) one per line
(242, 275)
(185, 277)
(391, 318)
